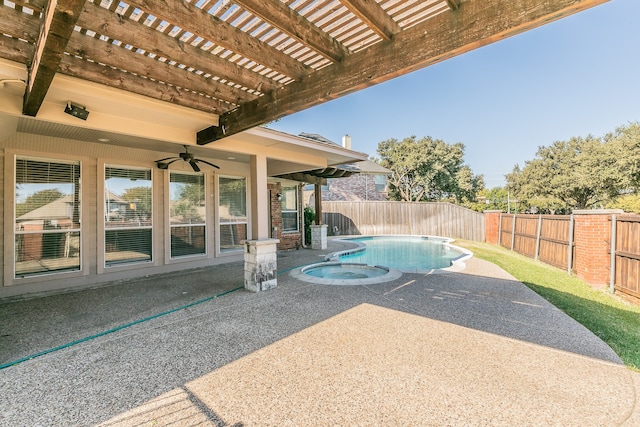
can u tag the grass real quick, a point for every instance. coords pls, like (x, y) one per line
(615, 321)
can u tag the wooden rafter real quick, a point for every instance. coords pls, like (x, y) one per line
(115, 27)
(475, 24)
(115, 56)
(199, 22)
(111, 77)
(286, 19)
(59, 19)
(374, 16)
(453, 4)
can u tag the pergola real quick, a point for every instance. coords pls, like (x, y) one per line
(250, 62)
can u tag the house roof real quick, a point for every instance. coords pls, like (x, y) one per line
(248, 62)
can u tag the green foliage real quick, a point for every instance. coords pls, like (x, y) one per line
(309, 218)
(581, 173)
(428, 169)
(628, 203)
(615, 321)
(141, 196)
(38, 199)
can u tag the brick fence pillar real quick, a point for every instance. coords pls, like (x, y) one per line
(592, 238)
(492, 226)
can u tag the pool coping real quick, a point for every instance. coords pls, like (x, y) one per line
(299, 273)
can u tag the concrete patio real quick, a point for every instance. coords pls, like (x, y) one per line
(469, 348)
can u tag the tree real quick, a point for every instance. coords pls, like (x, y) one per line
(577, 174)
(140, 197)
(427, 169)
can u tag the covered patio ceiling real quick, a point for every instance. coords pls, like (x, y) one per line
(250, 62)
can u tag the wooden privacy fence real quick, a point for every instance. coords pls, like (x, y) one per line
(600, 246)
(403, 218)
(625, 254)
(544, 237)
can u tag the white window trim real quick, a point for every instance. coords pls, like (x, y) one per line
(209, 236)
(233, 252)
(10, 278)
(102, 266)
(297, 211)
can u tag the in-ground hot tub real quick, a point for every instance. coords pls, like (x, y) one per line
(337, 273)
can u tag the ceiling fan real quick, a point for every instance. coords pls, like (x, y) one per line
(187, 157)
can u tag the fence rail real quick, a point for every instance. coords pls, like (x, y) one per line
(403, 218)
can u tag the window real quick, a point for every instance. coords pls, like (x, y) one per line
(380, 182)
(187, 214)
(127, 218)
(47, 216)
(290, 209)
(233, 213)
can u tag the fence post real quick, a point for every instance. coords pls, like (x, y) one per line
(500, 231)
(513, 232)
(570, 254)
(538, 237)
(612, 274)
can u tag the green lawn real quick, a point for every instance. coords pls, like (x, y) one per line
(614, 320)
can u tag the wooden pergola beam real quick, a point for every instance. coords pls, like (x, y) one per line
(111, 77)
(291, 22)
(109, 54)
(200, 23)
(112, 25)
(374, 16)
(453, 4)
(59, 20)
(475, 24)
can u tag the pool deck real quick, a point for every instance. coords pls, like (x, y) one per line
(461, 348)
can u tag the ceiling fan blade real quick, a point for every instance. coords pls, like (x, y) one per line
(194, 165)
(209, 163)
(172, 161)
(167, 158)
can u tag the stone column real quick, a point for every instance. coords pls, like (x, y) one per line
(260, 264)
(319, 236)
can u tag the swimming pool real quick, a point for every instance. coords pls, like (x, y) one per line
(410, 254)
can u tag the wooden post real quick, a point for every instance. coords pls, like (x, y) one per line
(513, 232)
(318, 202)
(570, 254)
(538, 237)
(612, 275)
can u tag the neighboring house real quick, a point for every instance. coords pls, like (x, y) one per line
(366, 180)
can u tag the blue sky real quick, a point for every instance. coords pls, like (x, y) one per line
(574, 77)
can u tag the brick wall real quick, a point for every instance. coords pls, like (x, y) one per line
(356, 187)
(592, 237)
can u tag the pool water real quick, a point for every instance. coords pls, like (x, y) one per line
(345, 271)
(405, 253)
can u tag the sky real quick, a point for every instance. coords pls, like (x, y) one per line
(577, 76)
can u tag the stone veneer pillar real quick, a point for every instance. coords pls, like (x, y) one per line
(260, 264)
(319, 236)
(492, 226)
